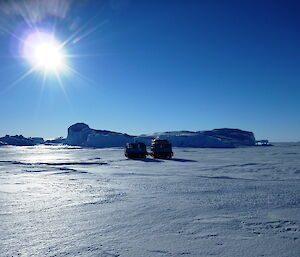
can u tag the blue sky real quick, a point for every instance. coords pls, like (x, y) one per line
(148, 66)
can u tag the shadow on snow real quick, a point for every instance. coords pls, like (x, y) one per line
(146, 160)
(181, 160)
(161, 160)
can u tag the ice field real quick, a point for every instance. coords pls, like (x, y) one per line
(71, 201)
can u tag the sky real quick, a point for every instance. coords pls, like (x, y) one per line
(137, 67)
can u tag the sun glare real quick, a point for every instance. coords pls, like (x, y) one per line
(43, 52)
(48, 56)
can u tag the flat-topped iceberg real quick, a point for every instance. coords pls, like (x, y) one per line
(234, 136)
(80, 134)
(187, 139)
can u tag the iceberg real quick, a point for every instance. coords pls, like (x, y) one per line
(17, 140)
(187, 139)
(80, 134)
(2, 143)
(56, 141)
(37, 140)
(237, 137)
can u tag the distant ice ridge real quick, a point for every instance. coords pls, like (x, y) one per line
(80, 134)
(18, 140)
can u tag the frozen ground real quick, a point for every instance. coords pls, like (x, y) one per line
(63, 201)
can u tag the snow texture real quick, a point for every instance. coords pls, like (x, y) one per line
(81, 134)
(73, 201)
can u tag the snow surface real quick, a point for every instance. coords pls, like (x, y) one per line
(72, 201)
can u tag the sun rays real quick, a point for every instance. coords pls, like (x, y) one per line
(44, 47)
(43, 51)
(50, 60)
(45, 56)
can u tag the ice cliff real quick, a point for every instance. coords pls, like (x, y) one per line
(234, 136)
(81, 134)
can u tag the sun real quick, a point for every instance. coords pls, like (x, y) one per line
(48, 56)
(44, 52)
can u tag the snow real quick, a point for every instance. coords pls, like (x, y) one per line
(73, 201)
(81, 134)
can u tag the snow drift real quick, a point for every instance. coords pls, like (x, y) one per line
(80, 134)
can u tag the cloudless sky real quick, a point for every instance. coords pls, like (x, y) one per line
(149, 66)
